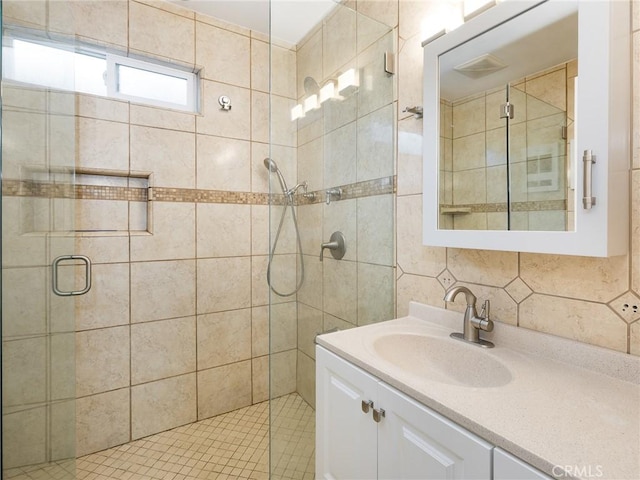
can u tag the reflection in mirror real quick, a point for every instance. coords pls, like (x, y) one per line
(507, 115)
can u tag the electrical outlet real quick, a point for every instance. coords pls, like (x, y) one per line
(627, 306)
(446, 279)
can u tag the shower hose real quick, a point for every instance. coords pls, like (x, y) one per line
(288, 204)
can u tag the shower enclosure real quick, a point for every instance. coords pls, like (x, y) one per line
(186, 231)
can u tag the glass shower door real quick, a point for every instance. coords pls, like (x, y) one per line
(38, 327)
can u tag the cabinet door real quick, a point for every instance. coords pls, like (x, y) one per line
(346, 437)
(508, 467)
(414, 442)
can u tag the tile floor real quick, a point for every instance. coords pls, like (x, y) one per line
(234, 445)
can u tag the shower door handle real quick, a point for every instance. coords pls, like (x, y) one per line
(87, 273)
(588, 159)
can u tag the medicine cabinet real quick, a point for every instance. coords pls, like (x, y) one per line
(526, 129)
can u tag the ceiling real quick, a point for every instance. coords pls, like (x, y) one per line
(290, 19)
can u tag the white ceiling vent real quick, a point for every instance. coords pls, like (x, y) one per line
(480, 66)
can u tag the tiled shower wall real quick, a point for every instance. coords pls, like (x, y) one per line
(592, 300)
(347, 143)
(175, 328)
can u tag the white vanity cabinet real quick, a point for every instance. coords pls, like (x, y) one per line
(508, 467)
(408, 441)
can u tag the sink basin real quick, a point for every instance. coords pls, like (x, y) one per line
(442, 359)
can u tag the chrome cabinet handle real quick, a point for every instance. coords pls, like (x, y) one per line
(87, 271)
(366, 405)
(588, 159)
(378, 414)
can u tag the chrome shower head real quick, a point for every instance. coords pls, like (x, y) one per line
(271, 165)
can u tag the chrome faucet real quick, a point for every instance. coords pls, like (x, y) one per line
(472, 322)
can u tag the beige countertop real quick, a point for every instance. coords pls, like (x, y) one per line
(562, 406)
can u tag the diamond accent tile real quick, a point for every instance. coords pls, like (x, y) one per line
(446, 279)
(518, 290)
(627, 306)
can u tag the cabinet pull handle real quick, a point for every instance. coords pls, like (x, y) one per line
(588, 159)
(366, 405)
(378, 414)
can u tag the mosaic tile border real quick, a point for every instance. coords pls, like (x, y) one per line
(532, 206)
(28, 188)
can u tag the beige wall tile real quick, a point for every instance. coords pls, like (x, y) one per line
(24, 437)
(377, 88)
(105, 22)
(63, 430)
(24, 144)
(223, 164)
(338, 40)
(148, 32)
(24, 371)
(33, 14)
(224, 338)
(101, 108)
(283, 327)
(162, 118)
(575, 277)
(107, 303)
(635, 230)
(224, 230)
(260, 65)
(161, 405)
(335, 114)
(102, 145)
(575, 319)
(492, 268)
(282, 373)
(413, 257)
(169, 7)
(340, 291)
(311, 164)
(469, 152)
(260, 229)
(102, 421)
(62, 348)
(260, 379)
(376, 293)
(224, 389)
(234, 123)
(417, 288)
(168, 154)
(173, 234)
(100, 215)
(224, 284)
(259, 331)
(409, 156)
(375, 144)
(282, 130)
(311, 291)
(635, 135)
(310, 226)
(102, 360)
(283, 72)
(306, 378)
(469, 186)
(162, 349)
(225, 55)
(260, 108)
(375, 229)
(20, 216)
(469, 118)
(634, 340)
(550, 88)
(307, 64)
(164, 300)
(107, 249)
(21, 317)
(410, 61)
(309, 325)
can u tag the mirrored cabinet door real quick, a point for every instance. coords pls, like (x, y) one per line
(513, 98)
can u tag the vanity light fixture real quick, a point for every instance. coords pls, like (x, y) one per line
(297, 112)
(311, 103)
(348, 81)
(446, 18)
(472, 8)
(328, 91)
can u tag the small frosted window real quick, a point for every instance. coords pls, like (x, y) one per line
(88, 70)
(34, 63)
(152, 85)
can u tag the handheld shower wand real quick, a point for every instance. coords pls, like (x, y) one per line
(288, 193)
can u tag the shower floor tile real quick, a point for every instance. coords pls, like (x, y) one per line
(229, 446)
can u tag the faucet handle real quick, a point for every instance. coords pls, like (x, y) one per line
(486, 307)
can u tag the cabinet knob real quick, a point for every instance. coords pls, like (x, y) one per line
(366, 405)
(378, 414)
